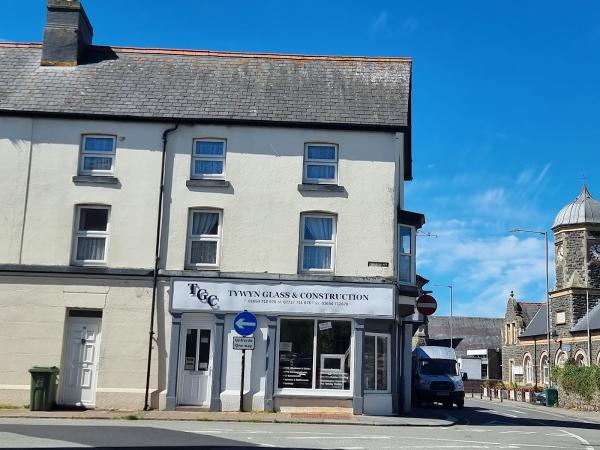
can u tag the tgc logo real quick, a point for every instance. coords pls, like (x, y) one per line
(203, 295)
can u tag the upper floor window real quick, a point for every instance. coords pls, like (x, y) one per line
(208, 159)
(317, 243)
(204, 239)
(320, 163)
(97, 155)
(91, 235)
(406, 254)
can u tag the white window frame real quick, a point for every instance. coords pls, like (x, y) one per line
(203, 237)
(581, 355)
(320, 162)
(198, 176)
(314, 392)
(413, 265)
(388, 336)
(91, 234)
(318, 243)
(528, 369)
(545, 368)
(83, 154)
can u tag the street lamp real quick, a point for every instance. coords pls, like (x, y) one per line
(545, 234)
(449, 286)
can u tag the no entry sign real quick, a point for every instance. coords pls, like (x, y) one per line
(426, 305)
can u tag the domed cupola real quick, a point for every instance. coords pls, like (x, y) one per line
(583, 210)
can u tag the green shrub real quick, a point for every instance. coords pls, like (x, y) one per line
(581, 380)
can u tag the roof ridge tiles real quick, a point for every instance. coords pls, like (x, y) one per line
(218, 53)
(185, 52)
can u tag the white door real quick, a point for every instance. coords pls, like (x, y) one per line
(195, 364)
(80, 368)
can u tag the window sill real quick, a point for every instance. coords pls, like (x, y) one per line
(89, 264)
(310, 187)
(315, 393)
(95, 179)
(208, 183)
(202, 268)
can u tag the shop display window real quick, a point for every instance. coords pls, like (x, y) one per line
(315, 354)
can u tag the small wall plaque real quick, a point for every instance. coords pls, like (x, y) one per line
(378, 264)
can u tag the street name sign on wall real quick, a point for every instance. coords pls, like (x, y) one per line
(243, 342)
(426, 305)
(290, 298)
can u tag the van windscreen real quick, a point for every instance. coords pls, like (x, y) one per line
(438, 367)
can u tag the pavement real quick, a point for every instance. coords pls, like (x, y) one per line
(417, 418)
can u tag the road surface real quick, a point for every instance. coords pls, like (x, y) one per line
(480, 425)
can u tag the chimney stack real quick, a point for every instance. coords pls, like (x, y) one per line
(68, 31)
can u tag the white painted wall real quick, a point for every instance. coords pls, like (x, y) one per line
(33, 316)
(261, 210)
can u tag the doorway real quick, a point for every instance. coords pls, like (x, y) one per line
(79, 374)
(195, 363)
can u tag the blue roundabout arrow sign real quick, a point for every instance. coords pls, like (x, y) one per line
(245, 323)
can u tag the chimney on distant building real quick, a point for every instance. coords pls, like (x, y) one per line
(68, 31)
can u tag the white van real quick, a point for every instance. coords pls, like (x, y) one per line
(436, 377)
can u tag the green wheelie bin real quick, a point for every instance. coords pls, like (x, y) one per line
(551, 396)
(43, 388)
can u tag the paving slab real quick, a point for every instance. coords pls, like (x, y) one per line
(419, 418)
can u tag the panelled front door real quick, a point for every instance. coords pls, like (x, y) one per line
(195, 364)
(80, 369)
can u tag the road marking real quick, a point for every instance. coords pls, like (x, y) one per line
(580, 439)
(518, 412)
(518, 432)
(485, 442)
(338, 437)
(507, 415)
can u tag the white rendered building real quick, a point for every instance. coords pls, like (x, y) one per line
(150, 195)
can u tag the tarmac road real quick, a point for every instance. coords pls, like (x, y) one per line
(481, 424)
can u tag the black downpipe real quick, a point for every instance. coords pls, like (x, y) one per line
(156, 261)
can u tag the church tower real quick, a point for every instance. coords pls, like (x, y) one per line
(577, 262)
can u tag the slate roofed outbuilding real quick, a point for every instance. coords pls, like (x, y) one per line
(200, 86)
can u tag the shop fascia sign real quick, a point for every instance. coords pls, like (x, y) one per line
(292, 298)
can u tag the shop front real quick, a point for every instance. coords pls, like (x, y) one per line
(317, 346)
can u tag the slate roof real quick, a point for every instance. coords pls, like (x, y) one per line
(472, 333)
(538, 325)
(594, 316)
(201, 86)
(529, 310)
(584, 209)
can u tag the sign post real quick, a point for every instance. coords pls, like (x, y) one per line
(245, 324)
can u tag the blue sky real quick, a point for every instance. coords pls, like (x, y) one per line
(506, 113)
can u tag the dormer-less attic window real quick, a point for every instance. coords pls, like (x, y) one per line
(320, 164)
(97, 156)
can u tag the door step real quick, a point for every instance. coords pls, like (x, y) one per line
(192, 408)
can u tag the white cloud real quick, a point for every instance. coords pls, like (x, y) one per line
(380, 24)
(482, 269)
(409, 25)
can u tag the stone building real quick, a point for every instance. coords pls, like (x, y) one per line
(574, 303)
